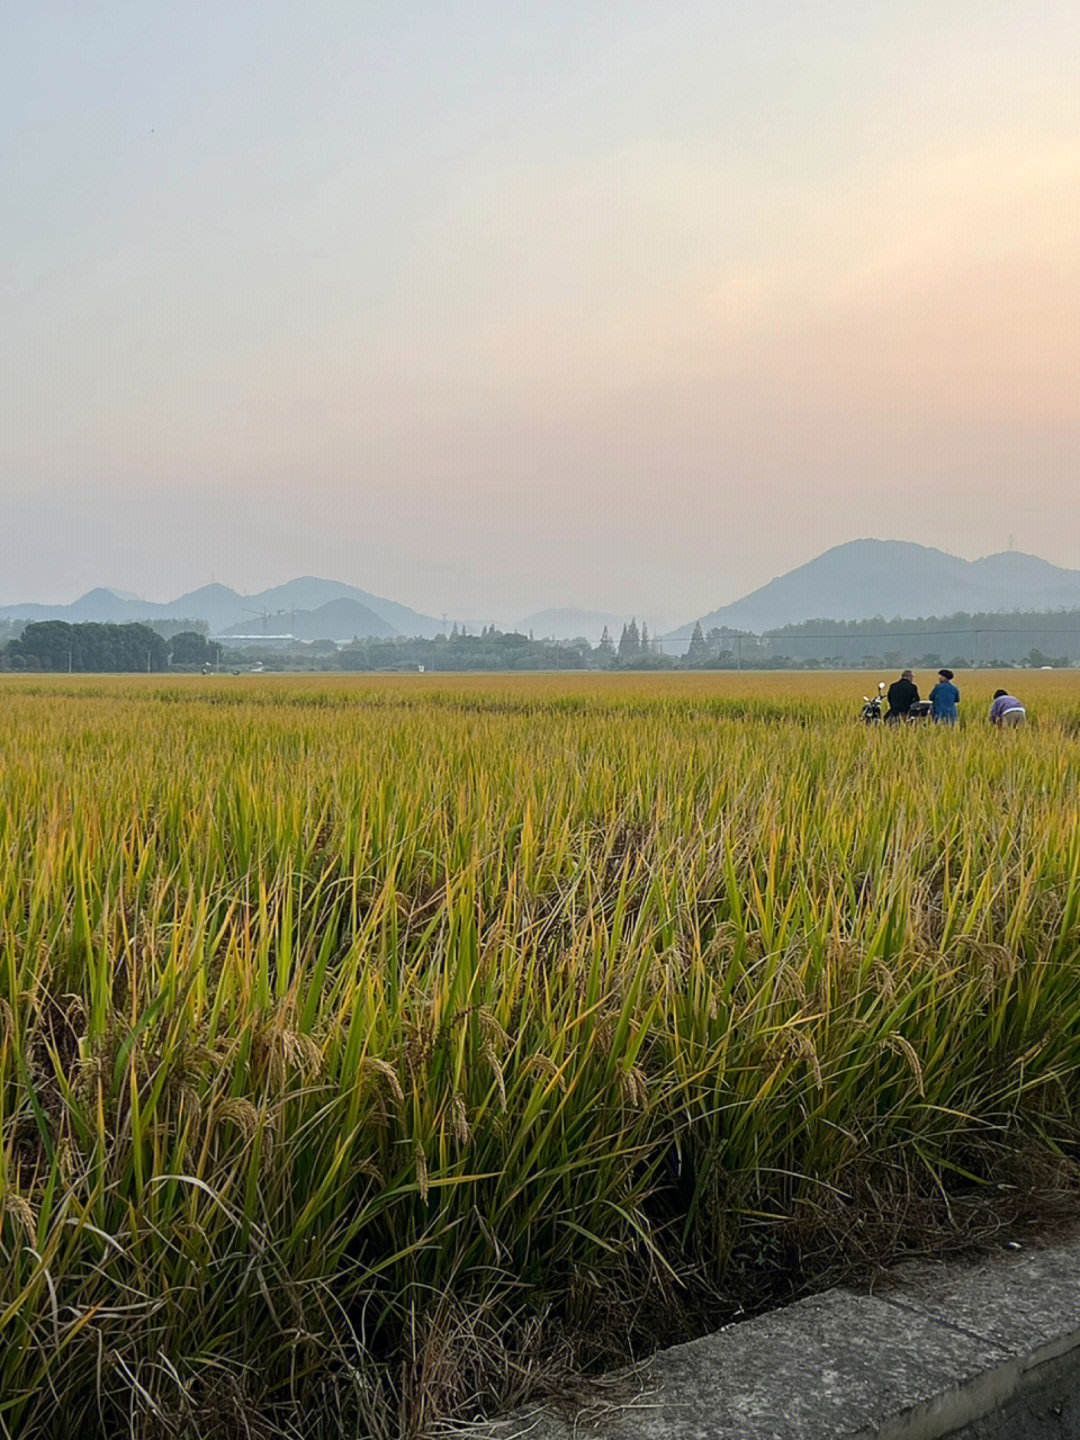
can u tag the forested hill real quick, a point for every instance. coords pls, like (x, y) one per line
(985, 638)
(896, 579)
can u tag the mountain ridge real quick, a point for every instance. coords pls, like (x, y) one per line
(894, 579)
(222, 609)
(858, 580)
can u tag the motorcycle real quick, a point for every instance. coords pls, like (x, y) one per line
(873, 711)
(872, 705)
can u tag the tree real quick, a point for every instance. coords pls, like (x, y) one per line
(698, 651)
(191, 648)
(629, 644)
(56, 645)
(47, 645)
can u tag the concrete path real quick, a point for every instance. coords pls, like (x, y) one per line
(983, 1351)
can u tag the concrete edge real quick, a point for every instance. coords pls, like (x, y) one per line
(956, 1410)
(935, 1351)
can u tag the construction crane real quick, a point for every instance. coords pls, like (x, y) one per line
(263, 614)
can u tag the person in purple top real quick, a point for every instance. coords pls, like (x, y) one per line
(945, 697)
(1006, 711)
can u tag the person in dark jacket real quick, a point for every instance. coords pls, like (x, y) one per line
(903, 693)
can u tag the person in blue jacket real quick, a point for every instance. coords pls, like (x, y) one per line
(945, 697)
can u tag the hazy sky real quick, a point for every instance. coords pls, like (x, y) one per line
(486, 307)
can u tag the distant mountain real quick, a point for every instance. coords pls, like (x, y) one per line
(896, 580)
(280, 610)
(570, 624)
(306, 593)
(102, 605)
(336, 620)
(341, 620)
(217, 605)
(310, 593)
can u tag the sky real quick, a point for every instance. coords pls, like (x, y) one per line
(493, 307)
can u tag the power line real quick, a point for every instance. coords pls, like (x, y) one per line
(852, 636)
(914, 634)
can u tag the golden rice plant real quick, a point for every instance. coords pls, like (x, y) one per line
(346, 1024)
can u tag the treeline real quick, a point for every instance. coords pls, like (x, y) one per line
(961, 641)
(56, 645)
(494, 649)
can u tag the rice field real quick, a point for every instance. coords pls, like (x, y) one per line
(365, 1041)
